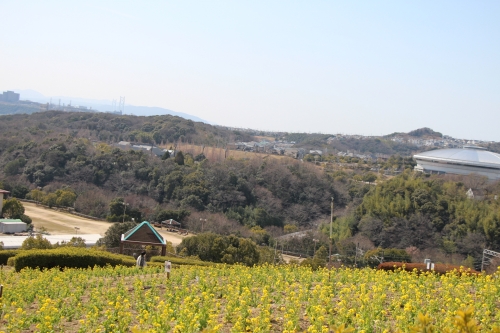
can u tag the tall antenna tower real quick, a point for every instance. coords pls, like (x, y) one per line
(121, 105)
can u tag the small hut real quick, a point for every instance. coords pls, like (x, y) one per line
(144, 234)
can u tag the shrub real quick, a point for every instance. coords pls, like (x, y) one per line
(12, 208)
(69, 257)
(37, 242)
(318, 261)
(25, 218)
(11, 261)
(6, 254)
(114, 233)
(221, 249)
(181, 261)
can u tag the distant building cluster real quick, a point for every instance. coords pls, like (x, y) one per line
(67, 107)
(366, 157)
(9, 96)
(446, 141)
(269, 147)
(331, 139)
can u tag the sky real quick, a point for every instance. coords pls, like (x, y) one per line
(352, 67)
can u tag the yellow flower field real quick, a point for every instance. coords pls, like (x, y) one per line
(242, 299)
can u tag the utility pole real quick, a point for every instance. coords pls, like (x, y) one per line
(331, 236)
(275, 248)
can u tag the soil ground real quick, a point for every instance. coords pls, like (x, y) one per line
(58, 222)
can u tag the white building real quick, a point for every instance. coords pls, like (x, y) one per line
(12, 226)
(460, 161)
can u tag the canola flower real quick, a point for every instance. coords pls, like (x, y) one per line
(242, 299)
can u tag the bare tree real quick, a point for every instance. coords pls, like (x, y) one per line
(475, 181)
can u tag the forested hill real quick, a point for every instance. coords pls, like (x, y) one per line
(52, 150)
(67, 159)
(108, 127)
(412, 210)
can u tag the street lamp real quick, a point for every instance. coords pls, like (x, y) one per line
(76, 230)
(124, 209)
(202, 221)
(315, 242)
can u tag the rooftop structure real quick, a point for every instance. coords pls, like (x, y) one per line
(460, 161)
(171, 222)
(146, 148)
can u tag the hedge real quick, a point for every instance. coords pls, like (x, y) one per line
(6, 254)
(181, 261)
(69, 257)
(392, 255)
(422, 267)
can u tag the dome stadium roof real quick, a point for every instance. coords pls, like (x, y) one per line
(468, 155)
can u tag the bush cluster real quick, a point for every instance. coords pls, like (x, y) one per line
(68, 257)
(6, 254)
(181, 261)
(220, 249)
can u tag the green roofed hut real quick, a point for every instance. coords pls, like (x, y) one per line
(144, 234)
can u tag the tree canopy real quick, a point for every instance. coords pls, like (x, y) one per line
(223, 249)
(410, 210)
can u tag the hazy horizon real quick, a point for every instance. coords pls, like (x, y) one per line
(328, 67)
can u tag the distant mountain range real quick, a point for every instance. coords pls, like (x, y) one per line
(102, 105)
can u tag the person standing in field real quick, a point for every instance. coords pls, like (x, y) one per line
(141, 260)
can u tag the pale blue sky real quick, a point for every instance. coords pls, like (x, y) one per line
(358, 67)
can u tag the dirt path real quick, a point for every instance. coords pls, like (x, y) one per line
(287, 258)
(57, 222)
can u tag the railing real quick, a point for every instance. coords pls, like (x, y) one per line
(487, 256)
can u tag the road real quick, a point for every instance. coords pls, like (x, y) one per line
(58, 222)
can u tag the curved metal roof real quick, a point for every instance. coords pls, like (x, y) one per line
(475, 156)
